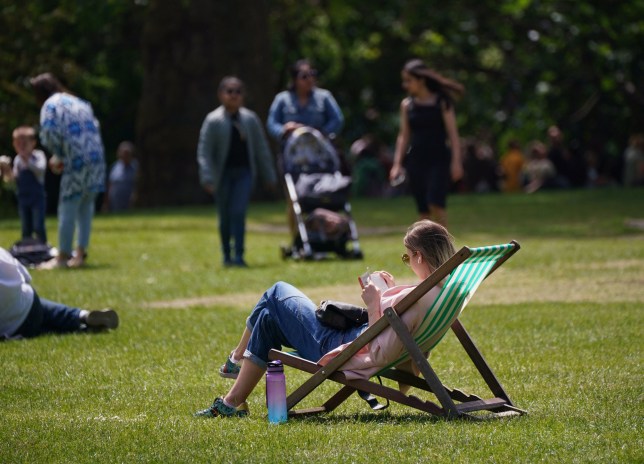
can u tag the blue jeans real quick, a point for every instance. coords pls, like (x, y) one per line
(32, 219)
(47, 316)
(284, 316)
(233, 196)
(72, 212)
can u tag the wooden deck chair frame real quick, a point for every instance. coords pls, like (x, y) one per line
(500, 404)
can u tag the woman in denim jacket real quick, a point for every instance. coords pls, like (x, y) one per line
(304, 104)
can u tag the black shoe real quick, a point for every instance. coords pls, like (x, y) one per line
(239, 262)
(102, 319)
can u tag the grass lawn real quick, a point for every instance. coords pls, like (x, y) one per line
(560, 323)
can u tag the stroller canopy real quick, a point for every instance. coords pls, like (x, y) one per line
(308, 151)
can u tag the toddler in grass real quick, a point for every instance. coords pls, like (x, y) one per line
(28, 173)
(23, 314)
(284, 316)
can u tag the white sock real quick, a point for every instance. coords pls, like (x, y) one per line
(233, 359)
(83, 315)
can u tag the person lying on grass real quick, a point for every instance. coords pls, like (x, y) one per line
(23, 314)
(284, 316)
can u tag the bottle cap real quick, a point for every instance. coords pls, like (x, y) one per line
(275, 366)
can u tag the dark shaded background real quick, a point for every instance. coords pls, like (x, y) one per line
(150, 68)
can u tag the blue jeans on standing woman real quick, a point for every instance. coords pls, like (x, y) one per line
(72, 212)
(233, 196)
(284, 316)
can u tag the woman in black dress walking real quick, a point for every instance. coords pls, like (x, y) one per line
(427, 124)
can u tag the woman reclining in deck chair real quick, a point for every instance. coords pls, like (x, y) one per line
(285, 316)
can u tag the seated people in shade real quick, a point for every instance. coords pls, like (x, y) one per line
(634, 161)
(539, 171)
(121, 183)
(511, 167)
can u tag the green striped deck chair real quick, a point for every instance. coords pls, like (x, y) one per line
(461, 275)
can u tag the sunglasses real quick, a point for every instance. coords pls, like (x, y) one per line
(306, 74)
(235, 91)
(406, 259)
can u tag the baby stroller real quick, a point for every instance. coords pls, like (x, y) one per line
(319, 198)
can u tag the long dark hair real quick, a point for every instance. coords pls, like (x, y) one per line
(447, 88)
(45, 85)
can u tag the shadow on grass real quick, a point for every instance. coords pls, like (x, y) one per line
(84, 268)
(384, 417)
(388, 418)
(83, 332)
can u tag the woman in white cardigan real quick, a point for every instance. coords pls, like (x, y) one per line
(232, 151)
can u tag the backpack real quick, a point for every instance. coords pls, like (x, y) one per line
(31, 252)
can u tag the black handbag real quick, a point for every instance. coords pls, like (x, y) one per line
(341, 316)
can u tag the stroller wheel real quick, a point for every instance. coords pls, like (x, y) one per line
(285, 252)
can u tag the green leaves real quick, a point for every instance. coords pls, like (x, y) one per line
(537, 63)
(92, 46)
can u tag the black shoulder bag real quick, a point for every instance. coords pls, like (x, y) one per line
(341, 316)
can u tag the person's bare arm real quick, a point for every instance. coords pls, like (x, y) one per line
(402, 141)
(449, 118)
(371, 297)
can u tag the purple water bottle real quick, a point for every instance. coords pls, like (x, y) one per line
(276, 393)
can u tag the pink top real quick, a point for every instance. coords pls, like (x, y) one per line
(386, 347)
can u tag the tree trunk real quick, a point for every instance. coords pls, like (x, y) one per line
(187, 47)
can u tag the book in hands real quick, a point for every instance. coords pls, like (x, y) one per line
(374, 278)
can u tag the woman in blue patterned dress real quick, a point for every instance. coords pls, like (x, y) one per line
(69, 130)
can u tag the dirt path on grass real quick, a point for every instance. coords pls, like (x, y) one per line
(504, 287)
(348, 293)
(362, 231)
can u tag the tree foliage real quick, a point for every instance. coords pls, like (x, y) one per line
(526, 64)
(92, 46)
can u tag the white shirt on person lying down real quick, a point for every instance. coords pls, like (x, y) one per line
(16, 293)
